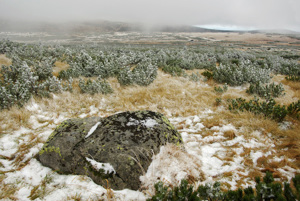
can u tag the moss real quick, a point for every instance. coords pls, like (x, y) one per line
(119, 147)
(131, 161)
(166, 120)
(50, 149)
(63, 125)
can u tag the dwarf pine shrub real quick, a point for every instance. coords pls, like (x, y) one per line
(268, 108)
(144, 73)
(209, 75)
(173, 70)
(125, 77)
(17, 84)
(265, 190)
(95, 86)
(295, 78)
(266, 91)
(236, 75)
(221, 90)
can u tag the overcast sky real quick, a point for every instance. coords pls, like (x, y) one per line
(263, 14)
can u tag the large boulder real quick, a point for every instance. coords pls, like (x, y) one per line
(113, 151)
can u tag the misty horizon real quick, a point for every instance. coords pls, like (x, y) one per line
(267, 14)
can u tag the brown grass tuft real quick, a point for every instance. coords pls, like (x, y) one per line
(14, 118)
(262, 161)
(255, 173)
(230, 134)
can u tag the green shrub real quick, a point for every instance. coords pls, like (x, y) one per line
(266, 91)
(173, 70)
(209, 75)
(294, 109)
(265, 190)
(268, 108)
(295, 78)
(218, 101)
(221, 89)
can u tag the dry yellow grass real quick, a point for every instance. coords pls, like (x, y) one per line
(59, 66)
(176, 96)
(294, 86)
(166, 93)
(4, 60)
(14, 118)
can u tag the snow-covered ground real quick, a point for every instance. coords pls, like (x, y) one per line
(215, 156)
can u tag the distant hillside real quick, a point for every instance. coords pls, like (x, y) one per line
(94, 26)
(109, 26)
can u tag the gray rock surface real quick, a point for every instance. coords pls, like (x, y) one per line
(113, 151)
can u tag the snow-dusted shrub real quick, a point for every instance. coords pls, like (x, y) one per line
(280, 65)
(44, 68)
(95, 86)
(17, 84)
(6, 46)
(125, 76)
(144, 74)
(246, 72)
(51, 85)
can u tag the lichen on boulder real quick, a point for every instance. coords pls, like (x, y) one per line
(116, 150)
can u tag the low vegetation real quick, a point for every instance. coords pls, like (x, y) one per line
(168, 79)
(268, 108)
(266, 190)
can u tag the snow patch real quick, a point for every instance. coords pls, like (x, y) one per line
(255, 156)
(108, 168)
(92, 130)
(31, 174)
(149, 123)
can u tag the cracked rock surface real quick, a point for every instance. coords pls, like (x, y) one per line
(113, 151)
